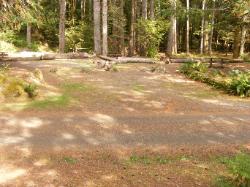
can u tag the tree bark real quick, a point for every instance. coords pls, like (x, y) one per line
(104, 27)
(132, 30)
(210, 48)
(62, 26)
(97, 27)
(172, 36)
(90, 10)
(202, 27)
(28, 34)
(83, 9)
(237, 42)
(206, 37)
(243, 37)
(129, 59)
(122, 42)
(188, 28)
(144, 9)
(152, 9)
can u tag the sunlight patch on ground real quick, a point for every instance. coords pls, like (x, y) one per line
(224, 121)
(204, 122)
(217, 102)
(68, 136)
(178, 80)
(14, 106)
(26, 133)
(104, 120)
(26, 123)
(130, 109)
(85, 132)
(20, 129)
(108, 177)
(6, 140)
(92, 141)
(126, 131)
(155, 104)
(25, 151)
(8, 173)
(41, 162)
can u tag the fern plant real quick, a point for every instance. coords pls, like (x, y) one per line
(240, 83)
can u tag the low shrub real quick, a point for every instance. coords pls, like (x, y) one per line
(236, 82)
(2, 78)
(240, 83)
(191, 67)
(31, 90)
(246, 57)
(4, 67)
(150, 34)
(14, 88)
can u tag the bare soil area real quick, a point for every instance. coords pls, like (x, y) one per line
(90, 127)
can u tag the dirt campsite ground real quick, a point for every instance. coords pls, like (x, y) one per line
(90, 127)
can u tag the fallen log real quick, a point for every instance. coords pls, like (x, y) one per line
(24, 56)
(122, 60)
(207, 59)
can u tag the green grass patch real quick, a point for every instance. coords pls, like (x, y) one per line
(148, 160)
(70, 160)
(138, 88)
(238, 171)
(69, 91)
(51, 102)
(74, 87)
(204, 94)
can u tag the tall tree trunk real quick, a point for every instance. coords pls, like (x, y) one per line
(152, 9)
(104, 27)
(210, 48)
(73, 10)
(172, 36)
(237, 42)
(122, 29)
(188, 28)
(202, 27)
(28, 34)
(206, 37)
(144, 9)
(90, 10)
(62, 26)
(243, 37)
(159, 7)
(83, 9)
(132, 30)
(97, 27)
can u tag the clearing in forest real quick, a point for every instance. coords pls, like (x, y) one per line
(90, 127)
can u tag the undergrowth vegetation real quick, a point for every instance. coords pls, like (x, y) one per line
(10, 41)
(15, 87)
(235, 82)
(239, 171)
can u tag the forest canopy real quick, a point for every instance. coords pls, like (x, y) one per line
(119, 27)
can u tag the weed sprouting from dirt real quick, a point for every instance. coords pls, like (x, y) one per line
(138, 88)
(31, 90)
(148, 160)
(70, 160)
